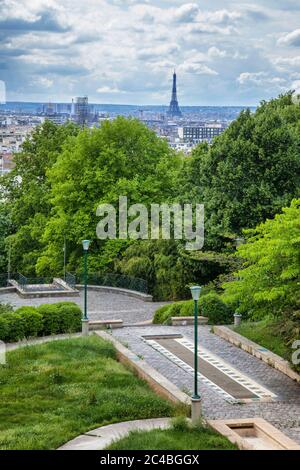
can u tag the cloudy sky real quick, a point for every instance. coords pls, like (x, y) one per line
(124, 51)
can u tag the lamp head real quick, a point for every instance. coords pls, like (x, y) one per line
(86, 244)
(195, 290)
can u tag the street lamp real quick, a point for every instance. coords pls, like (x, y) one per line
(85, 320)
(196, 399)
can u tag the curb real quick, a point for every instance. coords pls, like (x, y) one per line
(100, 438)
(141, 368)
(119, 290)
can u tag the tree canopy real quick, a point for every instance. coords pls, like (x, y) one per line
(250, 172)
(269, 282)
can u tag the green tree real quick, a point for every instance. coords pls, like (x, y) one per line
(121, 158)
(249, 173)
(269, 283)
(26, 191)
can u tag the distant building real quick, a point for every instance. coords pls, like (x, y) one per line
(81, 111)
(174, 110)
(197, 134)
(6, 163)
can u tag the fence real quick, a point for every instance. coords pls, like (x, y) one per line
(71, 279)
(115, 280)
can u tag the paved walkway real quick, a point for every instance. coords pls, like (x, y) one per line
(284, 413)
(100, 438)
(102, 305)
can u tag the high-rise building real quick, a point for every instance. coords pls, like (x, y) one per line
(174, 110)
(81, 111)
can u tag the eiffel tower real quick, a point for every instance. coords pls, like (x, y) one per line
(174, 110)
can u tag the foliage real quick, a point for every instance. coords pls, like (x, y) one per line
(121, 158)
(169, 269)
(180, 436)
(265, 333)
(217, 311)
(27, 197)
(270, 280)
(211, 305)
(47, 319)
(53, 392)
(61, 317)
(249, 173)
(4, 308)
(32, 321)
(14, 330)
(5, 230)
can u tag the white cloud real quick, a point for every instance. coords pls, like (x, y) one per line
(186, 13)
(261, 79)
(127, 49)
(290, 39)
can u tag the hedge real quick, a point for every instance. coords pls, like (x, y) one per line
(210, 305)
(47, 319)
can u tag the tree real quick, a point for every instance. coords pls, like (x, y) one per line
(121, 158)
(26, 191)
(5, 230)
(269, 283)
(249, 173)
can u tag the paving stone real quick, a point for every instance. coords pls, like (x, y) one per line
(284, 413)
(101, 305)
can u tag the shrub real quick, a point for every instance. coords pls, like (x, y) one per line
(32, 321)
(70, 316)
(62, 317)
(164, 314)
(161, 314)
(4, 308)
(50, 318)
(217, 311)
(47, 319)
(4, 328)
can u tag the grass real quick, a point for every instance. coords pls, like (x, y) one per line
(181, 436)
(264, 333)
(52, 392)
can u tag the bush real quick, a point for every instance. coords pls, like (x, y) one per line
(62, 317)
(70, 316)
(4, 308)
(164, 314)
(47, 319)
(50, 318)
(32, 321)
(210, 305)
(217, 311)
(4, 328)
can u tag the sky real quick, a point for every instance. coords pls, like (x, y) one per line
(124, 51)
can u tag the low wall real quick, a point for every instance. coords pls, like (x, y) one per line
(258, 351)
(119, 290)
(156, 381)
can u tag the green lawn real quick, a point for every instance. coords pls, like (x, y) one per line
(180, 436)
(263, 333)
(53, 392)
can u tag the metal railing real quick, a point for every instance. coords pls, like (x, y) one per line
(70, 279)
(24, 281)
(96, 279)
(115, 280)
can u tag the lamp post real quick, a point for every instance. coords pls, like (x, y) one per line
(196, 399)
(85, 320)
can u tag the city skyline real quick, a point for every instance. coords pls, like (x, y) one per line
(124, 52)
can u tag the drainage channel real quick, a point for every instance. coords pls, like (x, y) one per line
(234, 386)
